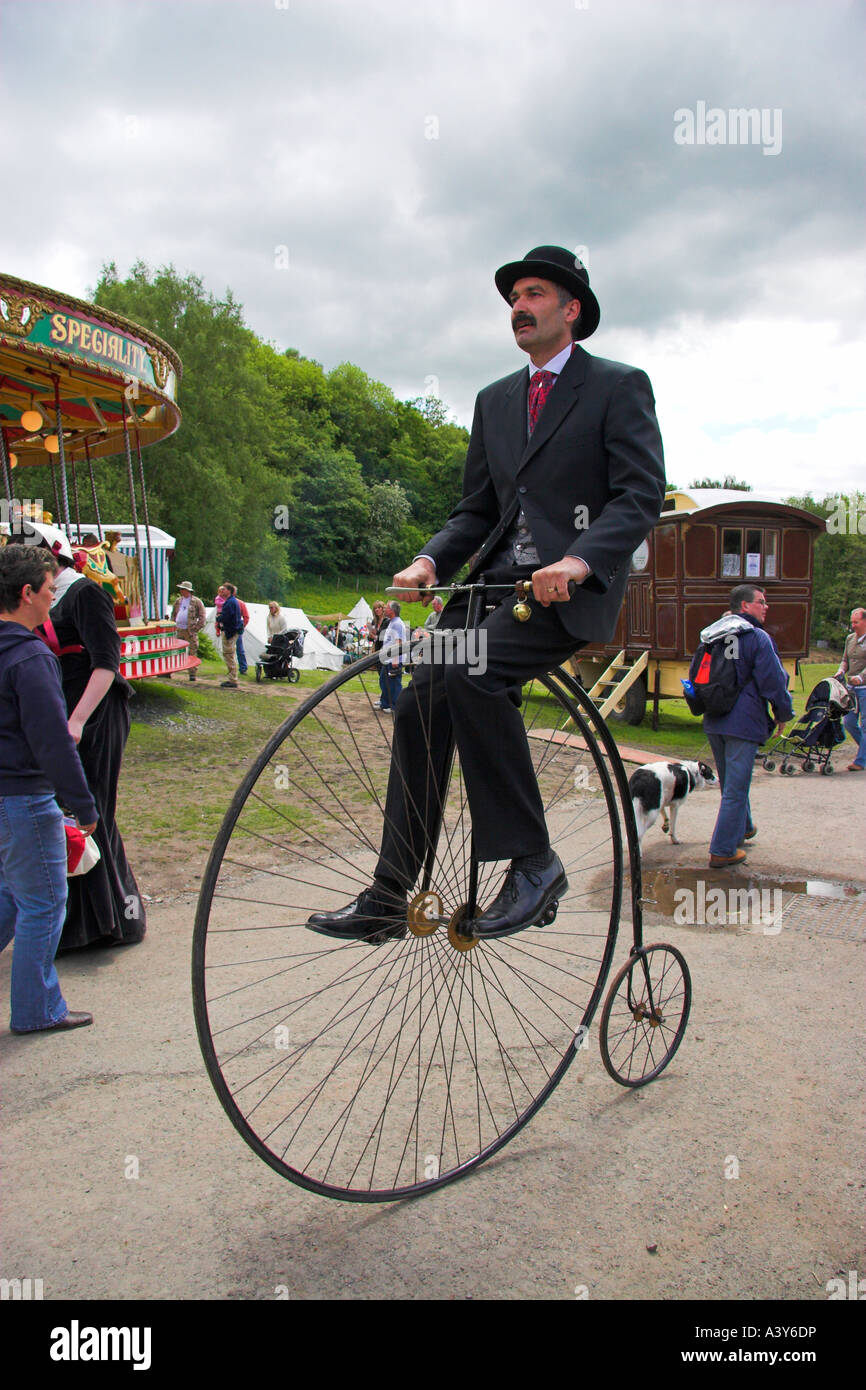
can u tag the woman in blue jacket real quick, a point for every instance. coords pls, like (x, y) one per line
(38, 759)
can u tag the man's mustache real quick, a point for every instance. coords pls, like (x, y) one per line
(519, 319)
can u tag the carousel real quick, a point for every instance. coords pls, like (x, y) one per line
(78, 383)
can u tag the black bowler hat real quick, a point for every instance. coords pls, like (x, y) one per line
(556, 264)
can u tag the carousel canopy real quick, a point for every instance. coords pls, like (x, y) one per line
(98, 366)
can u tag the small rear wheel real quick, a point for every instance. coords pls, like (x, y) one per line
(294, 675)
(770, 765)
(258, 673)
(828, 768)
(645, 1014)
(790, 769)
(808, 765)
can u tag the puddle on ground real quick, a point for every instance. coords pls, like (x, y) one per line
(717, 898)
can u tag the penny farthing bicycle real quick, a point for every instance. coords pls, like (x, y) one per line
(380, 1069)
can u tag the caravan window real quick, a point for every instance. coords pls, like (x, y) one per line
(750, 553)
(732, 554)
(753, 555)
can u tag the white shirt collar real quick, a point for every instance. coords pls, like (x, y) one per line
(555, 364)
(62, 580)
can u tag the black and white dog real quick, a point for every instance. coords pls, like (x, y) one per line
(656, 786)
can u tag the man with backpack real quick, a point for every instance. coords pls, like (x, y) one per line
(230, 625)
(734, 675)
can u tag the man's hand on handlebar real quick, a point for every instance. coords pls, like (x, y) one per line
(553, 583)
(421, 574)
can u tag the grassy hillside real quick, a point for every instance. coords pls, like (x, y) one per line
(317, 596)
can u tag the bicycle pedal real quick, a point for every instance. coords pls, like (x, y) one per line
(379, 938)
(549, 914)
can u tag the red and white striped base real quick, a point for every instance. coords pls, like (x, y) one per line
(153, 649)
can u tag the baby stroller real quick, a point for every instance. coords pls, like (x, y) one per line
(276, 662)
(816, 733)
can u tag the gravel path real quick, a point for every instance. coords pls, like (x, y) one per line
(742, 1166)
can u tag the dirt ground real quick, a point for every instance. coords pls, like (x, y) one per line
(738, 1175)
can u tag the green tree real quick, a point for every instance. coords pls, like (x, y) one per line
(839, 569)
(365, 415)
(329, 524)
(729, 482)
(276, 463)
(389, 513)
(213, 484)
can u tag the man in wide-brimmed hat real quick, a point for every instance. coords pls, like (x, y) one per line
(189, 614)
(564, 479)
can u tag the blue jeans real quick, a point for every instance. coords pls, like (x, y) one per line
(241, 654)
(855, 723)
(390, 684)
(33, 905)
(393, 685)
(383, 685)
(735, 761)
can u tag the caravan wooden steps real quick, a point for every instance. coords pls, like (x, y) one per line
(616, 680)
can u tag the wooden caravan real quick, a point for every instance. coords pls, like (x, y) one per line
(705, 542)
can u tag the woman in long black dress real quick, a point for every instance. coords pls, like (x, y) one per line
(104, 905)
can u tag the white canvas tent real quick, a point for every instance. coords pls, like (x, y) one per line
(360, 615)
(319, 653)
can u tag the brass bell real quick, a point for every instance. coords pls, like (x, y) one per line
(521, 612)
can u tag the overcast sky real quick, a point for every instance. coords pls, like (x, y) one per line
(356, 171)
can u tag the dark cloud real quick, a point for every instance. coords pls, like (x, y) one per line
(395, 155)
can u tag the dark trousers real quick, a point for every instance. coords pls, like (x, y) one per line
(383, 686)
(471, 688)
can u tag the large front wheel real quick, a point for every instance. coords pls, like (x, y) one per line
(370, 1072)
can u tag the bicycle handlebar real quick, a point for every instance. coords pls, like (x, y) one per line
(521, 612)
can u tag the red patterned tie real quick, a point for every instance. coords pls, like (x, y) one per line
(539, 390)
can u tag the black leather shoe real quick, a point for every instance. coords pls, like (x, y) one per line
(71, 1020)
(527, 898)
(374, 916)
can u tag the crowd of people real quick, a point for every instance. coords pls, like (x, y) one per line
(64, 717)
(64, 722)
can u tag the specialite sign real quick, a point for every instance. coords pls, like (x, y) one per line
(100, 343)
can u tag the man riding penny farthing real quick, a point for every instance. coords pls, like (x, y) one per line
(564, 479)
(377, 1049)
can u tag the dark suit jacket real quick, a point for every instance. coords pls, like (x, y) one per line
(590, 480)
